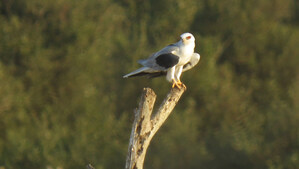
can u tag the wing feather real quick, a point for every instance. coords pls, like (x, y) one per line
(162, 56)
(167, 60)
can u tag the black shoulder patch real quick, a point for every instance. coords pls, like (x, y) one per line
(167, 60)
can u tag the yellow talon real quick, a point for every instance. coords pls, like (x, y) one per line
(176, 84)
(173, 85)
(181, 84)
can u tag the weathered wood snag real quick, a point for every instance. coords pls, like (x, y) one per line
(146, 124)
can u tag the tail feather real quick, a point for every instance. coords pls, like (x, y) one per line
(138, 72)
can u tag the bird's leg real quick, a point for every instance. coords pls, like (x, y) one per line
(170, 77)
(177, 75)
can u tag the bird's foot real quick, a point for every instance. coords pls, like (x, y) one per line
(175, 84)
(182, 84)
(179, 85)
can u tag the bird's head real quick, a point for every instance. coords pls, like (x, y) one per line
(187, 38)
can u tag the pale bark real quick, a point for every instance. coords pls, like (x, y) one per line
(146, 124)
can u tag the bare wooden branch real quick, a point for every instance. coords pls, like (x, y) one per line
(89, 166)
(146, 124)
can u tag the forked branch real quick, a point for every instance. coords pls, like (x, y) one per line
(146, 124)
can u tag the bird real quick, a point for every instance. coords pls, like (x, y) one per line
(171, 61)
(193, 61)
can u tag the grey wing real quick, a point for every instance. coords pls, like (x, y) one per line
(172, 48)
(192, 62)
(162, 59)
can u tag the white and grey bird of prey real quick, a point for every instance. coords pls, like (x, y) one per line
(170, 61)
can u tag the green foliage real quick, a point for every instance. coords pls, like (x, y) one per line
(64, 102)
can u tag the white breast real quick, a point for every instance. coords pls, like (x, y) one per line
(185, 53)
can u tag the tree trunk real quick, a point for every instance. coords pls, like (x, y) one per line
(146, 124)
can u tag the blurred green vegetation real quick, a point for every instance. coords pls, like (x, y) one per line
(64, 103)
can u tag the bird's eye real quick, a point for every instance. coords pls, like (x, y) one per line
(188, 37)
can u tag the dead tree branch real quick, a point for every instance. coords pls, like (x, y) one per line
(146, 124)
